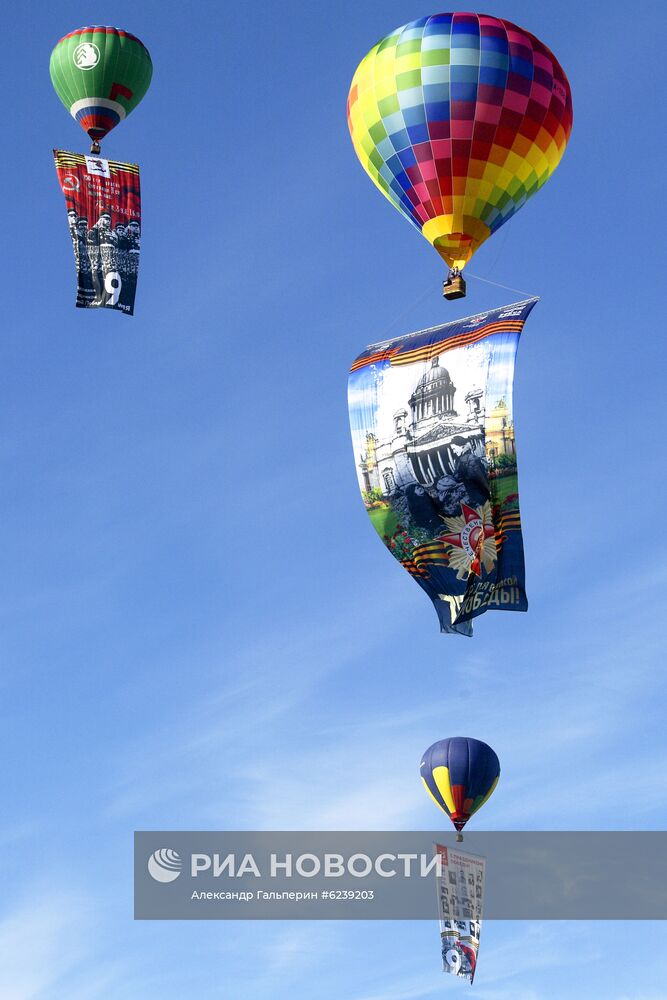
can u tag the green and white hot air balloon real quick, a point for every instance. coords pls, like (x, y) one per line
(100, 74)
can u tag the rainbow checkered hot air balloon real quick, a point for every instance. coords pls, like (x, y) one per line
(460, 774)
(459, 119)
(100, 74)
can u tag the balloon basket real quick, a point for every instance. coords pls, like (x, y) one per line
(454, 287)
(459, 837)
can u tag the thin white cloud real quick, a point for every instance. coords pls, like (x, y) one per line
(265, 681)
(42, 941)
(412, 988)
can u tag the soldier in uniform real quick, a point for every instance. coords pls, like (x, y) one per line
(93, 240)
(133, 234)
(468, 482)
(107, 245)
(451, 493)
(120, 248)
(72, 219)
(470, 470)
(100, 247)
(133, 238)
(85, 292)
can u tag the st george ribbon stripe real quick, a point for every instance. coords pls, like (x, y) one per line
(397, 357)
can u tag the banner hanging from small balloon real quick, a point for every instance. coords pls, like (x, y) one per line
(433, 437)
(103, 199)
(460, 902)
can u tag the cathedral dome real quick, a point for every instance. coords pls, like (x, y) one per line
(434, 393)
(435, 379)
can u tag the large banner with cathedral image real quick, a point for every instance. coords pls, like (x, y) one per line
(433, 437)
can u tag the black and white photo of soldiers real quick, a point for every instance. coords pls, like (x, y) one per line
(107, 240)
(468, 482)
(470, 470)
(424, 513)
(129, 275)
(120, 249)
(107, 259)
(78, 227)
(100, 247)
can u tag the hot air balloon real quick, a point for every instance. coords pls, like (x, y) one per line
(460, 774)
(458, 119)
(100, 74)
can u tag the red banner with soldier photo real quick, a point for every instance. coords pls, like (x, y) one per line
(103, 199)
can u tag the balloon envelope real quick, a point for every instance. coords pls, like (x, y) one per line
(460, 774)
(459, 119)
(100, 74)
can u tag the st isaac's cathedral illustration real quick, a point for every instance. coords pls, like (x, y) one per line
(429, 439)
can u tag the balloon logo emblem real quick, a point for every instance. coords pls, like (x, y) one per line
(165, 865)
(86, 55)
(71, 183)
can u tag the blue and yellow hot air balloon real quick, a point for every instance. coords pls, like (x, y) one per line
(460, 774)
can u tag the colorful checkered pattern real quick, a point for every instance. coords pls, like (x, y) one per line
(459, 119)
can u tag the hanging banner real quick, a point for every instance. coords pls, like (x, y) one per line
(460, 903)
(433, 437)
(103, 201)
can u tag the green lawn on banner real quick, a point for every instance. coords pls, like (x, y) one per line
(502, 487)
(384, 520)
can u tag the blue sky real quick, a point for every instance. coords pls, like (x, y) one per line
(200, 628)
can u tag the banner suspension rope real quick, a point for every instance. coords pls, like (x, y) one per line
(508, 288)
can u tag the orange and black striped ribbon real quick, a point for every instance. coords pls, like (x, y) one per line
(429, 351)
